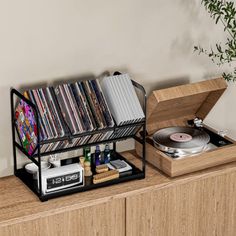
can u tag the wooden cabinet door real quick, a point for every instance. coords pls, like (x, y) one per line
(200, 207)
(104, 219)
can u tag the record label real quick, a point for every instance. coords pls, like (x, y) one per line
(184, 140)
(180, 137)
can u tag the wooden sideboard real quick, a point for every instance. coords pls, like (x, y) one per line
(201, 204)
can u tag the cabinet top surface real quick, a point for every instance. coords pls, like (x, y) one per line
(18, 203)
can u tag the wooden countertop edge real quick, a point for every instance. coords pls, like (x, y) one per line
(128, 193)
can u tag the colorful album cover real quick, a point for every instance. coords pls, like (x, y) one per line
(26, 126)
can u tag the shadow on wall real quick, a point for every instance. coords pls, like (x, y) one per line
(55, 81)
(166, 83)
(6, 159)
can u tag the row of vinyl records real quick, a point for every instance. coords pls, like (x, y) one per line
(66, 109)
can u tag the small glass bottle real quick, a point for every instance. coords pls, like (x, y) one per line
(107, 154)
(87, 154)
(97, 156)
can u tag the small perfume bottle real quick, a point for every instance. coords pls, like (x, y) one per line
(87, 154)
(107, 154)
(97, 156)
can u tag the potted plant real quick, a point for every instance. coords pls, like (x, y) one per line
(222, 12)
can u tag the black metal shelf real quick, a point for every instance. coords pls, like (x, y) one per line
(36, 156)
(32, 184)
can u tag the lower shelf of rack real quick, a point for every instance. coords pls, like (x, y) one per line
(88, 184)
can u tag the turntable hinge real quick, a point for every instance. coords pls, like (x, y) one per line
(198, 122)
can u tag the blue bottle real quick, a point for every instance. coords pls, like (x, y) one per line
(97, 156)
(107, 154)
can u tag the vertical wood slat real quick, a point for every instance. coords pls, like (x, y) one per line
(99, 220)
(205, 207)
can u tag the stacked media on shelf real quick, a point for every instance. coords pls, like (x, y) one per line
(118, 133)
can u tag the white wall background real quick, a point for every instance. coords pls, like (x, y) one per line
(152, 40)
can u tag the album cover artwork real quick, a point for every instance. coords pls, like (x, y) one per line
(26, 126)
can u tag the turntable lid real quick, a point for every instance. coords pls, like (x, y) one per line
(176, 105)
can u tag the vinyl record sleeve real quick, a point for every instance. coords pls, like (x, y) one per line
(115, 93)
(98, 105)
(90, 100)
(110, 96)
(26, 126)
(41, 111)
(29, 95)
(51, 112)
(127, 88)
(63, 108)
(86, 105)
(58, 111)
(85, 119)
(47, 120)
(133, 100)
(102, 102)
(123, 100)
(70, 111)
(48, 114)
(78, 112)
(74, 112)
(55, 113)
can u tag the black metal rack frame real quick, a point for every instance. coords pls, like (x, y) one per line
(36, 156)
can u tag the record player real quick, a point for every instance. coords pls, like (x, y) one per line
(178, 141)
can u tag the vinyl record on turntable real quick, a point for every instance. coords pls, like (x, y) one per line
(181, 140)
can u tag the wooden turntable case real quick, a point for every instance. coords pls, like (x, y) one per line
(176, 106)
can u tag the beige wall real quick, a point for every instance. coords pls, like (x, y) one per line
(152, 40)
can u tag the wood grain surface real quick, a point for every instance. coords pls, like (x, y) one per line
(21, 211)
(204, 207)
(101, 219)
(177, 105)
(175, 167)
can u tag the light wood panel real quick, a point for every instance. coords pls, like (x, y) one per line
(176, 106)
(100, 220)
(18, 205)
(204, 207)
(182, 103)
(175, 167)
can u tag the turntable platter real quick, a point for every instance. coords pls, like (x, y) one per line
(181, 140)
